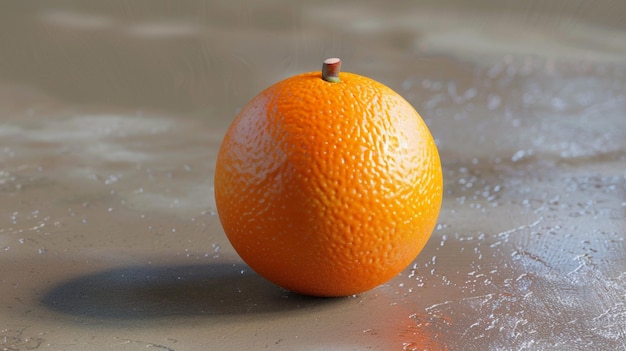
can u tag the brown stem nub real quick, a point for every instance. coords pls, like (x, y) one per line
(330, 70)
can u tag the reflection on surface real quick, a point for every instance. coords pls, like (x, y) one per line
(110, 119)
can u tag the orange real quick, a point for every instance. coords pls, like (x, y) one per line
(328, 187)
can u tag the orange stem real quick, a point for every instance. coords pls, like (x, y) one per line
(330, 69)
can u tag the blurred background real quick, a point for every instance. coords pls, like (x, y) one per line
(207, 59)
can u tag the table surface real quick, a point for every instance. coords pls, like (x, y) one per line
(111, 114)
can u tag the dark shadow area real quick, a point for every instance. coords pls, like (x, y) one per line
(142, 292)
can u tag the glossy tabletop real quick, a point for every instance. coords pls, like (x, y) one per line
(111, 114)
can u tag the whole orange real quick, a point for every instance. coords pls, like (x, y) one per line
(328, 187)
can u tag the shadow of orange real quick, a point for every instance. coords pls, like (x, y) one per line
(152, 292)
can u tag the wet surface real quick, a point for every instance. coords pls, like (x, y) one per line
(111, 115)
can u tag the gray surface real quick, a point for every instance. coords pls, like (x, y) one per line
(111, 115)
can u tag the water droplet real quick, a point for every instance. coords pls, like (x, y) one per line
(558, 104)
(411, 346)
(452, 89)
(470, 93)
(407, 84)
(111, 179)
(495, 70)
(493, 102)
(521, 154)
